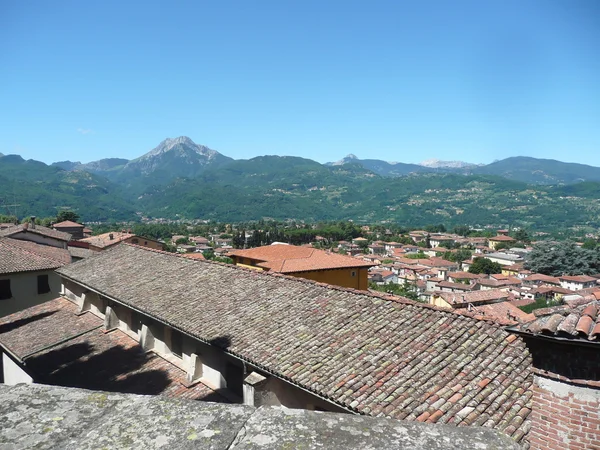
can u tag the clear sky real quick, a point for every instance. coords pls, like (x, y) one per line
(400, 81)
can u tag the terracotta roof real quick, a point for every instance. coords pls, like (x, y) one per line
(194, 255)
(578, 278)
(464, 275)
(579, 323)
(67, 224)
(369, 353)
(501, 238)
(62, 348)
(290, 258)
(104, 240)
(451, 285)
(456, 298)
(535, 277)
(43, 231)
(504, 310)
(25, 256)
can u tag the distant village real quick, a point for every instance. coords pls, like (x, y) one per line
(423, 326)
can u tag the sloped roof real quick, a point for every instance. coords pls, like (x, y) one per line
(371, 354)
(54, 341)
(38, 229)
(67, 224)
(104, 240)
(575, 323)
(462, 298)
(501, 238)
(504, 310)
(578, 278)
(290, 258)
(25, 256)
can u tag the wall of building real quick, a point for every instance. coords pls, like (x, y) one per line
(144, 242)
(275, 392)
(564, 416)
(40, 239)
(11, 372)
(24, 289)
(339, 277)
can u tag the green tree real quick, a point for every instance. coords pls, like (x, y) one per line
(485, 265)
(521, 235)
(590, 244)
(562, 258)
(462, 230)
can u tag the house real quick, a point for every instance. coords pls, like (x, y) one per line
(27, 274)
(577, 282)
(436, 240)
(463, 300)
(270, 339)
(376, 249)
(564, 342)
(107, 240)
(76, 230)
(31, 232)
(383, 277)
(504, 259)
(538, 279)
(306, 262)
(494, 242)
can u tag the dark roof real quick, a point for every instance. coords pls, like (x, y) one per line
(61, 348)
(365, 352)
(581, 322)
(43, 231)
(25, 256)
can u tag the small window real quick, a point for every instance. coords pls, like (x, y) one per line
(134, 241)
(354, 273)
(5, 292)
(43, 285)
(176, 343)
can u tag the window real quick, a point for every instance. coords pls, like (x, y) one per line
(134, 241)
(43, 285)
(176, 343)
(5, 292)
(354, 273)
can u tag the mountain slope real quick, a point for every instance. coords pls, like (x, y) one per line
(540, 171)
(383, 168)
(44, 190)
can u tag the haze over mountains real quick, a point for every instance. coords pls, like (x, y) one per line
(180, 178)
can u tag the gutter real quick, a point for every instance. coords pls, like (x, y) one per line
(204, 341)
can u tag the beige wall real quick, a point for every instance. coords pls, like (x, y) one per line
(23, 287)
(12, 373)
(40, 239)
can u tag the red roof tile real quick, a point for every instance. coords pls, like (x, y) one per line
(25, 256)
(290, 258)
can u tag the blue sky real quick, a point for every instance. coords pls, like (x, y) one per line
(399, 81)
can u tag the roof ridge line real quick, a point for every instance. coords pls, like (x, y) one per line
(382, 296)
(33, 252)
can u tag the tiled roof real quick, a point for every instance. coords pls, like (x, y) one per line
(67, 224)
(577, 278)
(501, 238)
(472, 297)
(290, 258)
(579, 323)
(25, 256)
(78, 252)
(43, 231)
(194, 255)
(538, 277)
(104, 240)
(459, 286)
(464, 275)
(372, 354)
(504, 310)
(62, 348)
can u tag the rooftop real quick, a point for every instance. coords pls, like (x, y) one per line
(62, 348)
(67, 224)
(501, 238)
(371, 354)
(25, 256)
(578, 278)
(464, 298)
(37, 229)
(107, 239)
(38, 416)
(290, 258)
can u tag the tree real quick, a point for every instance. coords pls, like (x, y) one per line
(589, 244)
(67, 215)
(563, 258)
(462, 230)
(521, 235)
(485, 265)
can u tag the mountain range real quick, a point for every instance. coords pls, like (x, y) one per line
(181, 179)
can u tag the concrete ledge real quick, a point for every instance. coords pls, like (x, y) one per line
(38, 416)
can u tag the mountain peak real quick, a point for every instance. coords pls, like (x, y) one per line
(437, 164)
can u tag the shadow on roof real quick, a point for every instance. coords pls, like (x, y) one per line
(5, 328)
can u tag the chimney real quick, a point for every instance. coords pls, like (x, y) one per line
(25, 226)
(33, 222)
(111, 236)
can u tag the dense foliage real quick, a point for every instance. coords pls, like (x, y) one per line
(485, 265)
(563, 258)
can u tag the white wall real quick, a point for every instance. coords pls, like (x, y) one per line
(23, 287)
(40, 239)
(13, 374)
